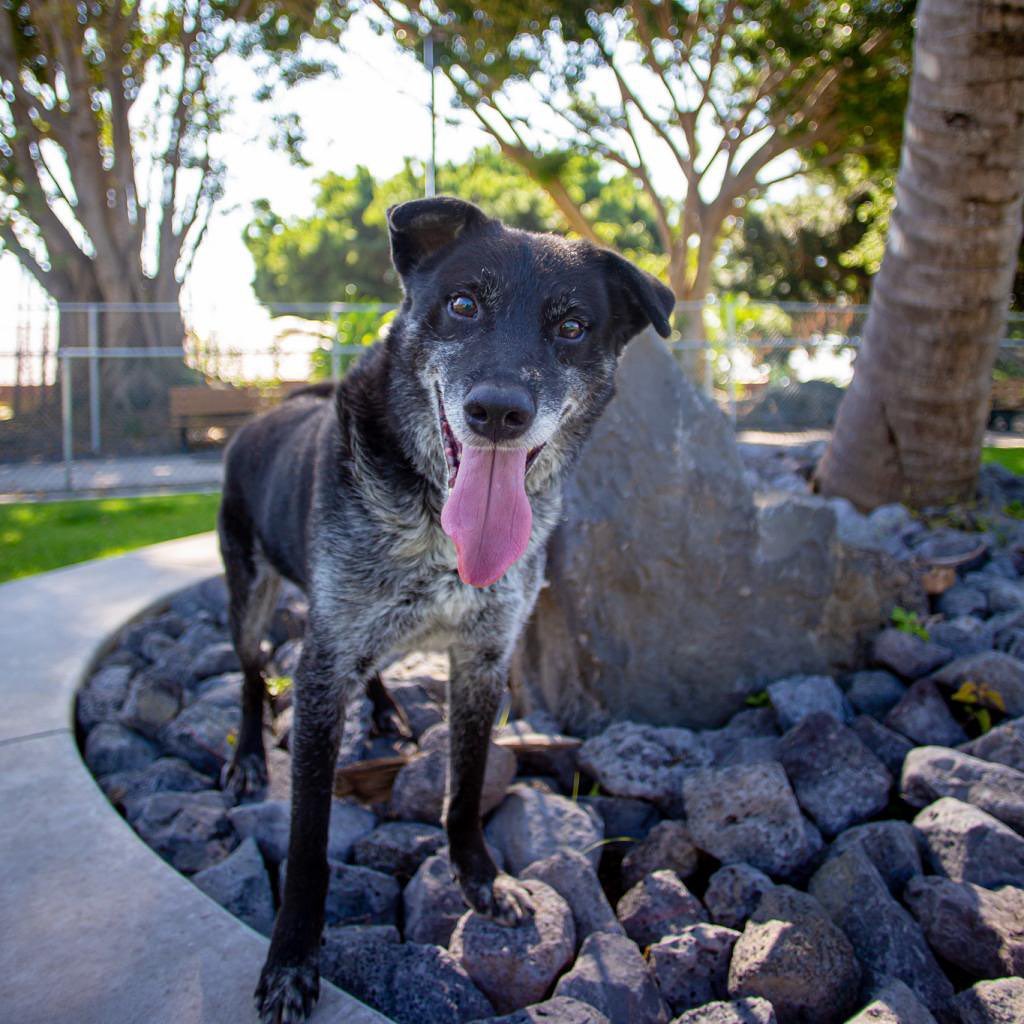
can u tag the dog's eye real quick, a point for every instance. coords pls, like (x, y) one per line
(571, 329)
(463, 305)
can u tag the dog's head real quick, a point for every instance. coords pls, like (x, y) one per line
(511, 340)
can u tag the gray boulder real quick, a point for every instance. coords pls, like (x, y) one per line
(933, 772)
(799, 696)
(894, 1003)
(999, 671)
(888, 746)
(202, 734)
(103, 695)
(734, 892)
(837, 780)
(992, 1002)
(1003, 744)
(692, 967)
(560, 1010)
(874, 692)
(887, 940)
(398, 847)
(667, 845)
(191, 831)
(968, 845)
(239, 883)
(531, 825)
(922, 716)
(113, 748)
(573, 877)
(980, 930)
(908, 655)
(658, 905)
(892, 846)
(737, 1011)
(611, 975)
(749, 814)
(517, 966)
(672, 596)
(433, 902)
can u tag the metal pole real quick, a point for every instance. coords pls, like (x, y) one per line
(94, 379)
(428, 59)
(65, 416)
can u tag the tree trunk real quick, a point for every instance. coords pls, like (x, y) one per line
(911, 426)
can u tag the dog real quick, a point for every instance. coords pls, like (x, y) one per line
(412, 503)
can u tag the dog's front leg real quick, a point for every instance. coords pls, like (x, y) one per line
(290, 982)
(477, 681)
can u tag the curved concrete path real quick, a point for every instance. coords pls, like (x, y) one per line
(94, 927)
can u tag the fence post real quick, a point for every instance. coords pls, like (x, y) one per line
(94, 378)
(65, 417)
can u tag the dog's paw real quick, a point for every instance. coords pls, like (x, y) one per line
(245, 777)
(287, 995)
(504, 900)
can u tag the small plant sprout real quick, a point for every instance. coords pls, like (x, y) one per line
(979, 700)
(277, 686)
(758, 700)
(908, 622)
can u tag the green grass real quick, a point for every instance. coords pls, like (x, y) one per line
(37, 537)
(1011, 458)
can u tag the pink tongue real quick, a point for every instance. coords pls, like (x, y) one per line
(487, 513)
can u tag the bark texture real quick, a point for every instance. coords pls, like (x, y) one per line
(911, 426)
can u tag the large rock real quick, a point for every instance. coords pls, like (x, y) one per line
(671, 595)
(1003, 744)
(398, 847)
(113, 748)
(932, 772)
(891, 748)
(666, 846)
(894, 1003)
(791, 954)
(204, 734)
(191, 831)
(922, 715)
(874, 692)
(992, 1002)
(799, 696)
(514, 967)
(573, 877)
(734, 892)
(892, 846)
(692, 967)
(103, 695)
(239, 883)
(977, 929)
(908, 655)
(737, 1011)
(356, 896)
(994, 669)
(748, 814)
(968, 845)
(560, 1010)
(612, 976)
(658, 905)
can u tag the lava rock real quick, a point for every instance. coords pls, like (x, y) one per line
(692, 967)
(356, 896)
(623, 816)
(908, 655)
(977, 929)
(239, 883)
(408, 982)
(164, 775)
(113, 748)
(516, 966)
(922, 715)
(103, 696)
(962, 599)
(994, 669)
(573, 877)
(887, 940)
(968, 845)
(153, 700)
(892, 846)
(531, 825)
(420, 708)
(837, 780)
(992, 1002)
(559, 1010)
(214, 660)
(874, 692)
(658, 905)
(191, 831)
(893, 1004)
(398, 847)
(888, 746)
(1003, 744)
(791, 954)
(433, 902)
(737, 1011)
(667, 846)
(644, 762)
(799, 696)
(964, 635)
(933, 772)
(202, 734)
(611, 975)
(733, 893)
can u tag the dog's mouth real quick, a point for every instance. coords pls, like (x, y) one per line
(487, 513)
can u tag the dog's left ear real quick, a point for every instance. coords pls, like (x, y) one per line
(421, 227)
(645, 300)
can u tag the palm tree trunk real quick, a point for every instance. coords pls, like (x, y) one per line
(911, 426)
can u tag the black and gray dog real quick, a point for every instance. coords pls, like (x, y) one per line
(412, 503)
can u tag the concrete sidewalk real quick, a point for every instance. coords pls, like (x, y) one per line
(96, 929)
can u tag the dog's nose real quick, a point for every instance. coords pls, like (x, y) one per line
(499, 412)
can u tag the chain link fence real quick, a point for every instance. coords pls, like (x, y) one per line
(101, 398)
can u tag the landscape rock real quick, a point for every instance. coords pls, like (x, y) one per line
(191, 831)
(992, 1002)
(964, 635)
(433, 902)
(933, 772)
(202, 734)
(837, 780)
(421, 710)
(734, 892)
(888, 942)
(516, 966)
(893, 1004)
(692, 967)
(164, 775)
(658, 905)
(749, 814)
(215, 660)
(980, 930)
(573, 877)
(888, 746)
(611, 975)
(356, 896)
(799, 696)
(908, 655)
(791, 954)
(398, 847)
(892, 846)
(1003, 744)
(644, 762)
(623, 816)
(968, 845)
(408, 982)
(113, 748)
(103, 696)
(531, 825)
(922, 716)
(874, 692)
(239, 883)
(286, 659)
(667, 845)
(560, 1010)
(962, 599)
(1001, 672)
(153, 700)
(737, 1011)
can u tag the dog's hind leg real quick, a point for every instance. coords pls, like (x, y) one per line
(252, 590)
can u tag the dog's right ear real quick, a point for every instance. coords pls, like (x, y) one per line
(421, 227)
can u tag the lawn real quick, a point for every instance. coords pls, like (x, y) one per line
(36, 537)
(1011, 458)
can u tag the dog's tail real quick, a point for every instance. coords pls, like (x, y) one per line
(322, 389)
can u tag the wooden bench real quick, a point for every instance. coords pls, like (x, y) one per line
(227, 408)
